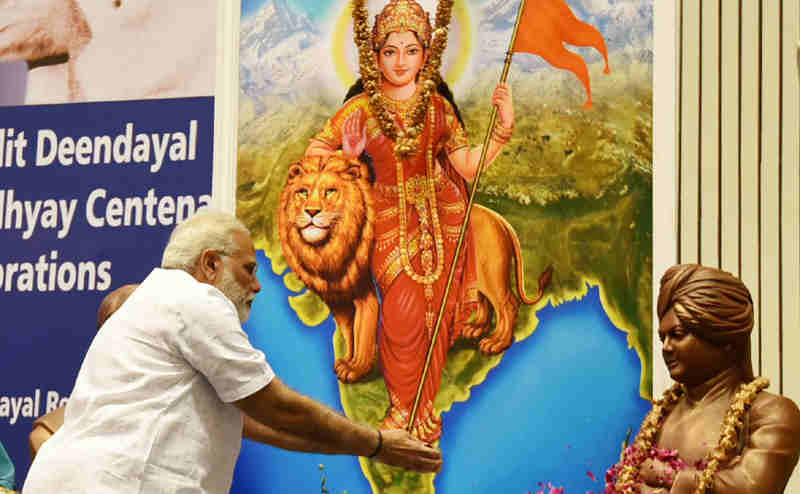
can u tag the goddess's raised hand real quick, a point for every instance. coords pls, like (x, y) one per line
(354, 135)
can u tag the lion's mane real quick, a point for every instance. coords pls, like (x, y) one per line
(338, 269)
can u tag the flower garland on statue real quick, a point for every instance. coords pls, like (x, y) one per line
(623, 477)
(406, 142)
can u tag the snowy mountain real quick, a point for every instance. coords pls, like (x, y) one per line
(499, 15)
(281, 50)
(277, 50)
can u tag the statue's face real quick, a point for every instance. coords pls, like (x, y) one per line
(689, 359)
(401, 58)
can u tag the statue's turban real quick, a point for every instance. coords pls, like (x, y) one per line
(712, 304)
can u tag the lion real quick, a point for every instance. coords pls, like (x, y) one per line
(326, 221)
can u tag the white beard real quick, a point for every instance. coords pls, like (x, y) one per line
(235, 292)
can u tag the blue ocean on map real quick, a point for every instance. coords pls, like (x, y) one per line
(555, 410)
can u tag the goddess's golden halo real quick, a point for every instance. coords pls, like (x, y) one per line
(457, 54)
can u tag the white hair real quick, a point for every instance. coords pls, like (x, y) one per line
(206, 229)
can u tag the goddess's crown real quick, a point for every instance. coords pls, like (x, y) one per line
(399, 16)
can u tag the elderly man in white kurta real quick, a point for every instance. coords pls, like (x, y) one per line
(157, 405)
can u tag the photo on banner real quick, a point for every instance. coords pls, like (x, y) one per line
(106, 143)
(538, 366)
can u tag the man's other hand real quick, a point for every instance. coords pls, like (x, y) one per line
(401, 449)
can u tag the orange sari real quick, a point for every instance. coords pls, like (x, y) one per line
(420, 206)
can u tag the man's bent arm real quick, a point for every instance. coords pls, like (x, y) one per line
(298, 422)
(284, 410)
(256, 431)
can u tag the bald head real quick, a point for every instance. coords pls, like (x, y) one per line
(112, 302)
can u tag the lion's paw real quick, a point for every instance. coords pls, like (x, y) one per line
(349, 371)
(479, 321)
(342, 369)
(472, 331)
(493, 346)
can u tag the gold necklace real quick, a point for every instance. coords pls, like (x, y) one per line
(431, 274)
(428, 245)
(402, 108)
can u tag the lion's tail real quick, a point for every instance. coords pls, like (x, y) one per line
(544, 278)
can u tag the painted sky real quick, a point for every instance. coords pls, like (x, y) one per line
(314, 9)
(318, 9)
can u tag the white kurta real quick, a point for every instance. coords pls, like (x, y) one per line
(152, 408)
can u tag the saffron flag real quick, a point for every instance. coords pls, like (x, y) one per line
(544, 27)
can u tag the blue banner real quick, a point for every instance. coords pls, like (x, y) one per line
(89, 193)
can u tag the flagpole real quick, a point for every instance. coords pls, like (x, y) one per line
(463, 231)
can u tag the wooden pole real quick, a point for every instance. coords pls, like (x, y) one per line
(463, 231)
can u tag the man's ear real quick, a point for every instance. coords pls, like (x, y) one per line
(209, 265)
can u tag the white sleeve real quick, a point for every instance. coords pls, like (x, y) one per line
(211, 339)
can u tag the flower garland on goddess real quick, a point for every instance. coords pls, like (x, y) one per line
(404, 121)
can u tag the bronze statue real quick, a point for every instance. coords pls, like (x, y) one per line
(715, 430)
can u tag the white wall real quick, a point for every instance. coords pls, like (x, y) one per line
(727, 186)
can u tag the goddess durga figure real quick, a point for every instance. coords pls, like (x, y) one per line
(403, 117)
